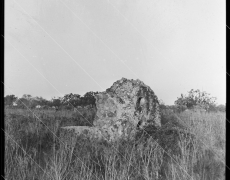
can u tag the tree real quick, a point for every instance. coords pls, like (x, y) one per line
(212, 107)
(26, 101)
(162, 104)
(56, 102)
(23, 103)
(42, 101)
(89, 98)
(71, 100)
(65, 100)
(34, 102)
(9, 100)
(27, 96)
(196, 98)
(221, 108)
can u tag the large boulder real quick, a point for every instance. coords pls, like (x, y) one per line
(123, 109)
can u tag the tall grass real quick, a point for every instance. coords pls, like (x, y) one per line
(188, 146)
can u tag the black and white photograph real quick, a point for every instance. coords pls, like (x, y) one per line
(115, 90)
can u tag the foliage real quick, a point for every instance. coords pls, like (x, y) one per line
(221, 108)
(162, 104)
(172, 107)
(9, 100)
(23, 103)
(27, 96)
(89, 98)
(41, 101)
(71, 100)
(55, 102)
(195, 98)
(74, 100)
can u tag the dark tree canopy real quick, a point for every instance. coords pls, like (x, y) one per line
(56, 102)
(9, 100)
(89, 98)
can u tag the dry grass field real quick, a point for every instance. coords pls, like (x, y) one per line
(33, 150)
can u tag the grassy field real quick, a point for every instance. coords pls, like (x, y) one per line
(190, 145)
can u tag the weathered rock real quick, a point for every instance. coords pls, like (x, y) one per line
(124, 108)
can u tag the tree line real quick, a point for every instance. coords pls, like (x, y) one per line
(193, 99)
(69, 101)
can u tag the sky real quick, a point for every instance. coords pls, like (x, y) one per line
(57, 47)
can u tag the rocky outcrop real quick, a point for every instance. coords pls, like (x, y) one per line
(123, 109)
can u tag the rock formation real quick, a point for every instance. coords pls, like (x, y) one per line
(123, 109)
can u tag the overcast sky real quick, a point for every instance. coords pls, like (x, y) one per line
(55, 47)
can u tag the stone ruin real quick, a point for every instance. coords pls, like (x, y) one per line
(123, 109)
